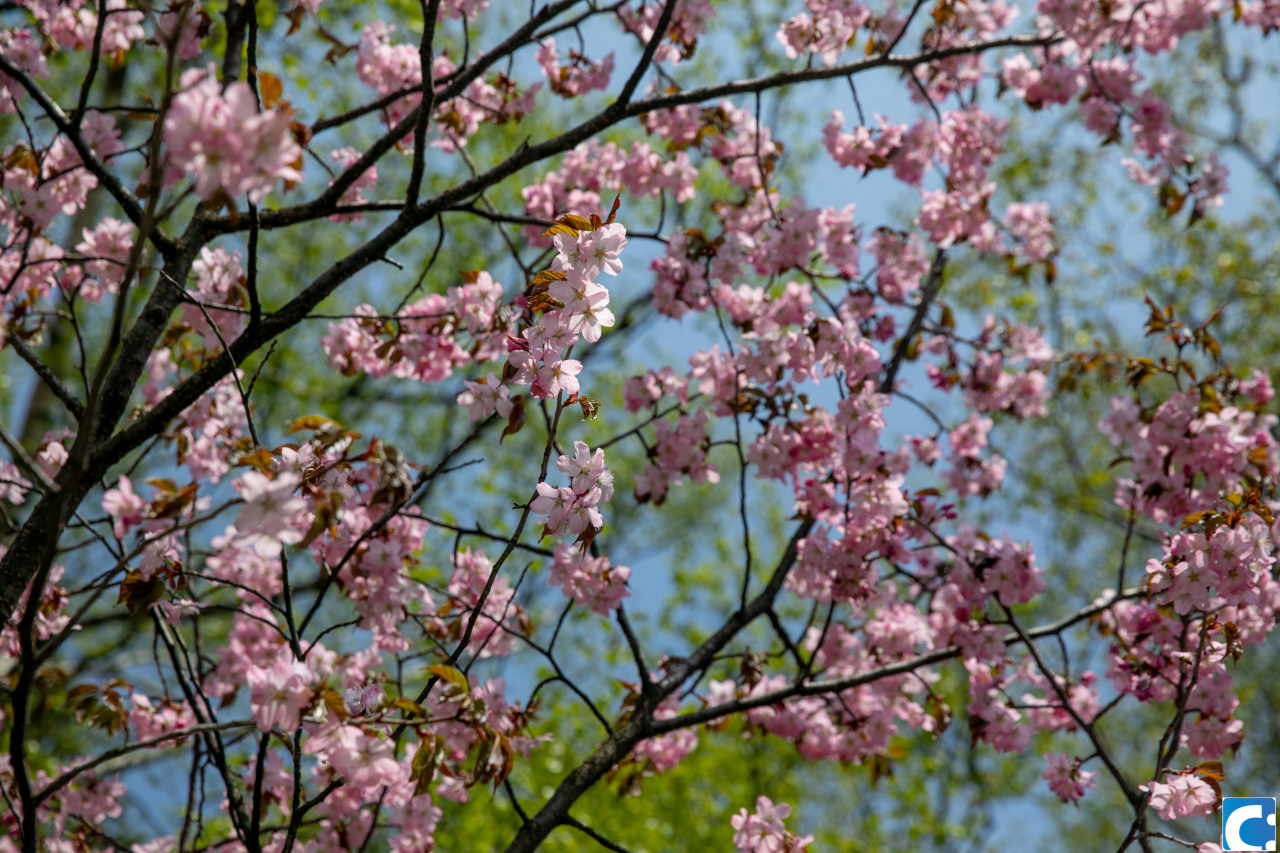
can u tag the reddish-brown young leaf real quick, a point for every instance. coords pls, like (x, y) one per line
(941, 713)
(543, 302)
(259, 459)
(516, 420)
(295, 19)
(137, 594)
(568, 224)
(310, 423)
(547, 276)
(271, 88)
(451, 675)
(1211, 770)
(586, 538)
(590, 408)
(425, 763)
(171, 504)
(334, 703)
(411, 707)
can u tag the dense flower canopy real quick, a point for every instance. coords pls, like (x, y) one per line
(292, 585)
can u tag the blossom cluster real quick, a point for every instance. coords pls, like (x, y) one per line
(590, 581)
(817, 309)
(391, 68)
(573, 304)
(225, 142)
(422, 341)
(574, 509)
(763, 830)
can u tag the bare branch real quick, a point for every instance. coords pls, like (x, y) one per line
(124, 749)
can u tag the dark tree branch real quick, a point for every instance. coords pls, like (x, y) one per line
(593, 835)
(46, 374)
(641, 723)
(124, 749)
(930, 292)
(837, 685)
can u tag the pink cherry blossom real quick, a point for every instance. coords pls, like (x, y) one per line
(176, 610)
(589, 581)
(553, 505)
(1065, 777)
(223, 140)
(486, 396)
(124, 507)
(763, 830)
(581, 75)
(1030, 224)
(278, 694)
(557, 377)
(13, 486)
(1183, 795)
(267, 521)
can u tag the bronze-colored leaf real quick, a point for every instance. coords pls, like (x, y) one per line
(259, 459)
(1217, 790)
(171, 504)
(548, 276)
(311, 423)
(948, 319)
(410, 706)
(751, 669)
(301, 132)
(586, 538)
(508, 760)
(559, 229)
(516, 420)
(941, 713)
(543, 302)
(221, 200)
(1171, 199)
(880, 767)
(22, 158)
(590, 408)
(568, 224)
(271, 88)
(451, 675)
(423, 769)
(327, 509)
(137, 594)
(1211, 770)
(334, 703)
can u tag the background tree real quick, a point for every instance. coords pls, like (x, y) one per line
(304, 544)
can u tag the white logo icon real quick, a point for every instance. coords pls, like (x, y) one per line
(1235, 821)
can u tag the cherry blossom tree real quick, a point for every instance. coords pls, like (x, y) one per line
(324, 619)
